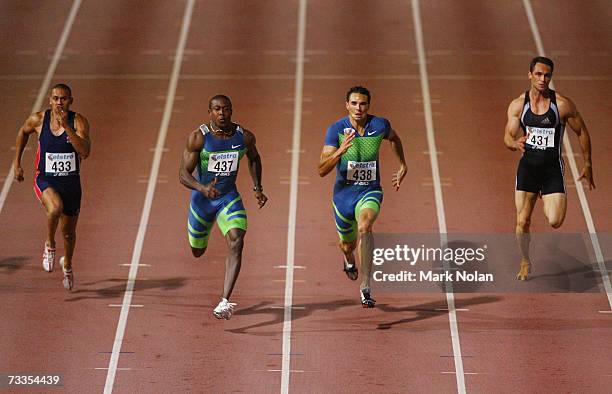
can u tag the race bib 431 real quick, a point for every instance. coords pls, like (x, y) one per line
(60, 164)
(540, 138)
(361, 171)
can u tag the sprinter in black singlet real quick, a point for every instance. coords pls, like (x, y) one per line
(63, 141)
(541, 114)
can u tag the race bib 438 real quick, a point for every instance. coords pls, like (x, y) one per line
(540, 138)
(224, 163)
(60, 164)
(361, 171)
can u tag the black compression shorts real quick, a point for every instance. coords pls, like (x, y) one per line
(540, 175)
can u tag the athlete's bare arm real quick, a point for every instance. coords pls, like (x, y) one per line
(191, 155)
(330, 155)
(398, 150)
(31, 125)
(569, 112)
(255, 167)
(513, 126)
(79, 138)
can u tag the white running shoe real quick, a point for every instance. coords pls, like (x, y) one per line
(68, 280)
(48, 258)
(224, 310)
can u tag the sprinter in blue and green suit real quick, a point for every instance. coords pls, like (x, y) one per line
(351, 145)
(215, 149)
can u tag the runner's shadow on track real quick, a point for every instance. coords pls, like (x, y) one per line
(118, 289)
(279, 313)
(10, 265)
(565, 273)
(430, 309)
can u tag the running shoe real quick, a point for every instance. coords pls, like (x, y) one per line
(350, 270)
(224, 310)
(366, 298)
(68, 279)
(48, 258)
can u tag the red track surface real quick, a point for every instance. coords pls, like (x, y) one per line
(118, 60)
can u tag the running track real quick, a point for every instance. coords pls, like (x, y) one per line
(120, 61)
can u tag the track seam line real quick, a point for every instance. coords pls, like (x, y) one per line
(586, 211)
(295, 164)
(146, 209)
(8, 181)
(431, 143)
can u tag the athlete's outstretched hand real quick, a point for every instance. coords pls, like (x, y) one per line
(346, 144)
(587, 175)
(398, 177)
(18, 175)
(209, 190)
(261, 199)
(520, 143)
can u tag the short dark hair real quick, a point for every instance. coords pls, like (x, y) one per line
(63, 86)
(360, 90)
(543, 60)
(220, 97)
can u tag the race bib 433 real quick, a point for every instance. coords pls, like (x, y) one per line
(361, 171)
(60, 164)
(540, 138)
(223, 163)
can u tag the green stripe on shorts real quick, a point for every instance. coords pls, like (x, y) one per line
(226, 221)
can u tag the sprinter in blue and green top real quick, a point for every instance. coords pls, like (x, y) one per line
(215, 150)
(352, 145)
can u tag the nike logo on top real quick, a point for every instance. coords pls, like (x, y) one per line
(372, 132)
(235, 146)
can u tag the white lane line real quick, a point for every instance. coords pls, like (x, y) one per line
(295, 165)
(605, 278)
(44, 87)
(146, 209)
(299, 267)
(450, 298)
(129, 265)
(121, 305)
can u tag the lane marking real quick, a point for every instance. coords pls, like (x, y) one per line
(121, 306)
(465, 373)
(295, 164)
(574, 169)
(386, 77)
(129, 265)
(300, 267)
(292, 307)
(146, 209)
(431, 143)
(44, 87)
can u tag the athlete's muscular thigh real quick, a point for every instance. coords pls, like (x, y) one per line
(555, 206)
(524, 201)
(52, 201)
(366, 220)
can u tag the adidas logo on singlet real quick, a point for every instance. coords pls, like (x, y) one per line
(546, 121)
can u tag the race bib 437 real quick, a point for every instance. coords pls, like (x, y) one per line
(223, 163)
